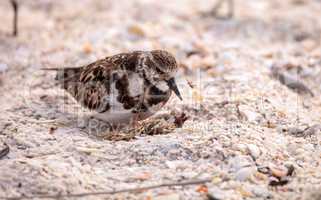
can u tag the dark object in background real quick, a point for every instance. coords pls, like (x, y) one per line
(304, 131)
(215, 10)
(291, 82)
(180, 120)
(211, 197)
(15, 17)
(278, 177)
(4, 151)
(278, 182)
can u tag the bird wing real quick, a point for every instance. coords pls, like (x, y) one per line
(97, 71)
(92, 86)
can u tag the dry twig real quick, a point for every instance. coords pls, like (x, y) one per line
(58, 196)
(15, 17)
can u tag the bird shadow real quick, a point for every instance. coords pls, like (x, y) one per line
(62, 111)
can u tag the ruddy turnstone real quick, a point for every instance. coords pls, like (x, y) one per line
(125, 87)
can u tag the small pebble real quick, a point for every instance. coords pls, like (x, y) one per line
(244, 173)
(260, 192)
(3, 67)
(249, 114)
(254, 151)
(238, 162)
(295, 131)
(216, 193)
(168, 197)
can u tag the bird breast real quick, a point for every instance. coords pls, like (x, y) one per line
(135, 84)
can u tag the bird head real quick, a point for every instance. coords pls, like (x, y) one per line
(160, 68)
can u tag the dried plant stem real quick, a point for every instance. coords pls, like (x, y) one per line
(138, 189)
(15, 17)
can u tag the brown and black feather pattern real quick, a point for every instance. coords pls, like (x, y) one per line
(92, 85)
(89, 85)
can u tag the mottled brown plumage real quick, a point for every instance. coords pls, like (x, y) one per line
(131, 85)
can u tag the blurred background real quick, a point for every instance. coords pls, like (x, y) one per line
(255, 70)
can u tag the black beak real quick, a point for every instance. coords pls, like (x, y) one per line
(172, 85)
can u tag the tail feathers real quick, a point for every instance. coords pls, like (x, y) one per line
(60, 68)
(65, 75)
(51, 69)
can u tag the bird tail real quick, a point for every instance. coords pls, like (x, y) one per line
(66, 75)
(59, 68)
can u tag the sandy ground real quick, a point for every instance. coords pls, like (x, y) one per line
(245, 131)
